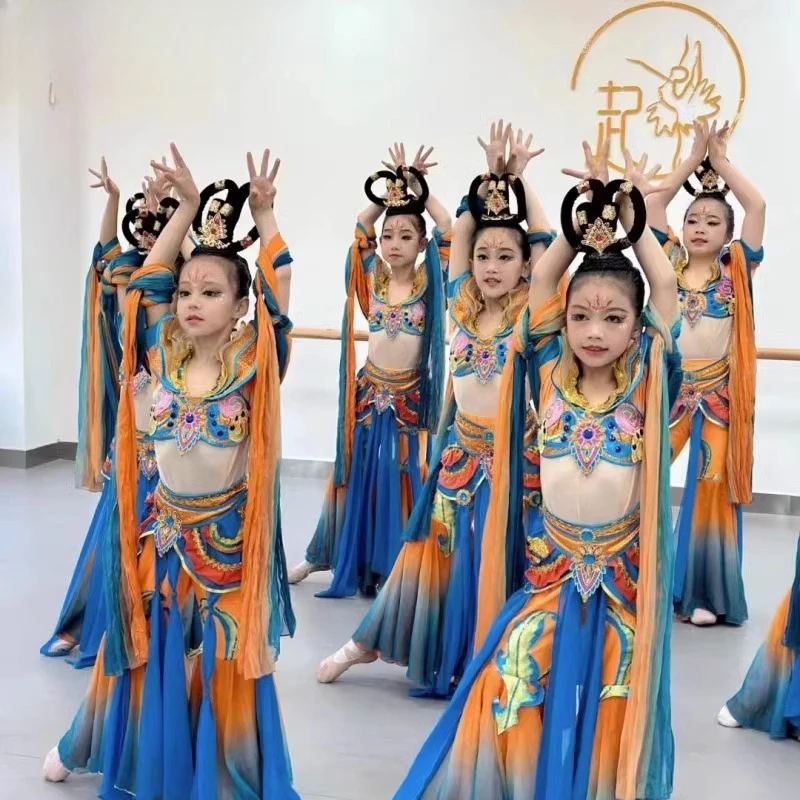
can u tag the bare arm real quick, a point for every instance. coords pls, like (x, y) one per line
(108, 225)
(262, 207)
(753, 203)
(169, 243)
(656, 266)
(187, 247)
(658, 270)
(537, 220)
(548, 271)
(267, 230)
(441, 216)
(461, 245)
(658, 202)
(520, 155)
(367, 219)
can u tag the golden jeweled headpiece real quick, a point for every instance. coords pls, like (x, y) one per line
(495, 208)
(217, 217)
(398, 199)
(597, 218)
(709, 180)
(140, 226)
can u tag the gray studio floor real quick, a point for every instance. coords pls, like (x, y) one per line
(352, 740)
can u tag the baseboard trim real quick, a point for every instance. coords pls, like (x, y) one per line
(778, 504)
(27, 459)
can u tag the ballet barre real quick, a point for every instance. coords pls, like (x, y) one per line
(334, 334)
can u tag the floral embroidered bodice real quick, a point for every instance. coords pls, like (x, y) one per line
(614, 436)
(405, 317)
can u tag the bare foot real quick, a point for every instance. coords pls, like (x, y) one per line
(302, 571)
(54, 771)
(345, 657)
(726, 719)
(703, 618)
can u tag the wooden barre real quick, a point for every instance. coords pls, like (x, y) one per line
(334, 335)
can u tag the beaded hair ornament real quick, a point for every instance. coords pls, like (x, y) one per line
(597, 218)
(398, 199)
(495, 209)
(709, 181)
(217, 217)
(140, 226)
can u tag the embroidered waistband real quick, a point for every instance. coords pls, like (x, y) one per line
(591, 548)
(475, 434)
(192, 510)
(395, 381)
(705, 374)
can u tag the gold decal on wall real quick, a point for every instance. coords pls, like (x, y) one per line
(673, 79)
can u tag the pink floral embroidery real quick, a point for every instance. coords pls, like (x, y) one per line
(162, 401)
(725, 288)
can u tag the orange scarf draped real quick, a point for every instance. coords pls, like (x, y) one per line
(653, 606)
(253, 655)
(357, 289)
(742, 379)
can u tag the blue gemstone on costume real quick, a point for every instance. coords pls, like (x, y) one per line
(588, 434)
(587, 536)
(589, 559)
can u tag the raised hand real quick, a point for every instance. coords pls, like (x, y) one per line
(596, 164)
(700, 143)
(158, 186)
(150, 196)
(718, 144)
(178, 178)
(397, 157)
(499, 137)
(421, 162)
(520, 153)
(105, 182)
(262, 183)
(643, 181)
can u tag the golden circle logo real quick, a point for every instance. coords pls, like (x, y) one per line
(648, 72)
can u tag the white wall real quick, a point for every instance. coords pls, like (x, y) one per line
(12, 394)
(329, 85)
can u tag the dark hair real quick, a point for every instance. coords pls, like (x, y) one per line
(720, 198)
(522, 238)
(241, 278)
(417, 220)
(614, 266)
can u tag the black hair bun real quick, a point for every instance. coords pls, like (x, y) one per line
(140, 226)
(216, 219)
(597, 218)
(495, 209)
(398, 199)
(709, 181)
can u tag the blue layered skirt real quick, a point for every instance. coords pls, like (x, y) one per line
(187, 724)
(82, 621)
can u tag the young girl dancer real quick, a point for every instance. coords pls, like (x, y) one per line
(158, 721)
(717, 401)
(386, 410)
(424, 617)
(568, 694)
(769, 699)
(81, 623)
